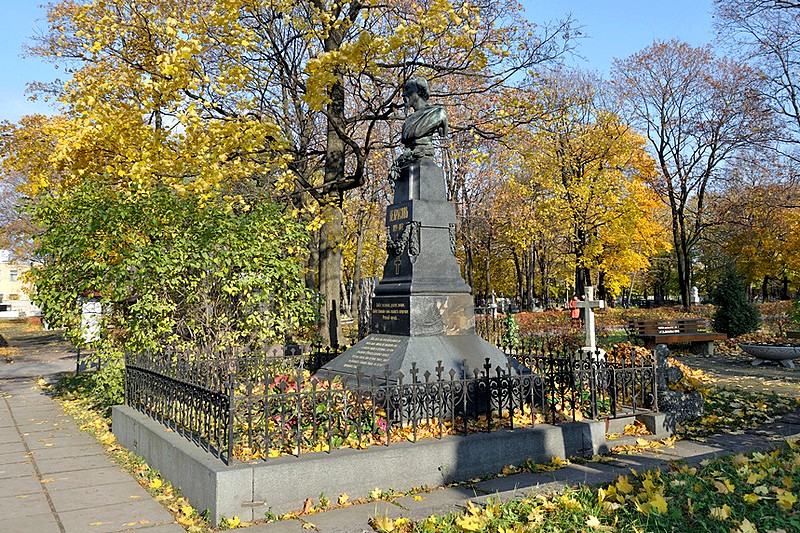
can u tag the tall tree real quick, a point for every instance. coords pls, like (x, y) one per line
(595, 168)
(286, 93)
(766, 35)
(697, 111)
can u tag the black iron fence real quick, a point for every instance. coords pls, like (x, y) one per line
(250, 406)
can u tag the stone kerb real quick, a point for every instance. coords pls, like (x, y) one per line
(282, 484)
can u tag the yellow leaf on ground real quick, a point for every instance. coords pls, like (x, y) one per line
(721, 513)
(786, 499)
(751, 498)
(156, 483)
(623, 485)
(593, 522)
(723, 488)
(747, 527)
(659, 504)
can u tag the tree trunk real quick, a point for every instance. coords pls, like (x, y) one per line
(357, 271)
(330, 272)
(582, 279)
(684, 260)
(519, 275)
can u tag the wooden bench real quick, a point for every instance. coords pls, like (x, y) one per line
(675, 331)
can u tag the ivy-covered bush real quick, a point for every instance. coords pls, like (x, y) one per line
(735, 314)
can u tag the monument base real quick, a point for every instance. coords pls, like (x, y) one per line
(378, 352)
(423, 314)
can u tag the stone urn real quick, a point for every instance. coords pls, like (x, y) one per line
(766, 351)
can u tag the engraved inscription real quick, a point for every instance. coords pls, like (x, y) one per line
(390, 310)
(400, 213)
(397, 216)
(374, 352)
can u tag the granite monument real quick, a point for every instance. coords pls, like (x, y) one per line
(422, 311)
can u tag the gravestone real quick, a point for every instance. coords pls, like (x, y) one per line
(588, 306)
(679, 406)
(422, 310)
(694, 297)
(91, 314)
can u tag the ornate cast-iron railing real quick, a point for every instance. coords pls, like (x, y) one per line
(240, 405)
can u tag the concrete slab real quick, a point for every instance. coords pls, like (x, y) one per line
(164, 528)
(20, 485)
(639, 462)
(14, 457)
(119, 517)
(41, 523)
(13, 470)
(353, 519)
(72, 499)
(89, 478)
(12, 447)
(51, 432)
(25, 505)
(47, 467)
(66, 452)
(439, 501)
(9, 434)
(35, 442)
(687, 449)
(517, 485)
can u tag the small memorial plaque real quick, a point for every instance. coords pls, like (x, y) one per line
(390, 315)
(375, 351)
(397, 216)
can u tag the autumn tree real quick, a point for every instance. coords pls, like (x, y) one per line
(594, 169)
(765, 36)
(696, 111)
(287, 96)
(754, 225)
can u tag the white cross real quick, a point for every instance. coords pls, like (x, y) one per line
(588, 305)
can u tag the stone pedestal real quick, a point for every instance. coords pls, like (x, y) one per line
(679, 406)
(423, 311)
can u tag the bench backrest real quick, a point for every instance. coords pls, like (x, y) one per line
(662, 327)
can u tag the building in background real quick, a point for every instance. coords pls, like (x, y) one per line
(14, 299)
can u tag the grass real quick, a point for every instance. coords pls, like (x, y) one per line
(741, 494)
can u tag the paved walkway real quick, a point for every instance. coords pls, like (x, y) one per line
(56, 478)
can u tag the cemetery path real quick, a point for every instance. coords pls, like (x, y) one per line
(30, 352)
(735, 370)
(56, 478)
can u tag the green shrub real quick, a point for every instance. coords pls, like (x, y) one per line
(735, 314)
(510, 335)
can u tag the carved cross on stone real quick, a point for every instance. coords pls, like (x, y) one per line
(397, 263)
(588, 305)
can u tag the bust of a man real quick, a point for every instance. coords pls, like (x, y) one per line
(426, 120)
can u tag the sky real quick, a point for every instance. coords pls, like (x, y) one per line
(610, 29)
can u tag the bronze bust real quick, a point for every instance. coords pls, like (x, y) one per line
(420, 126)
